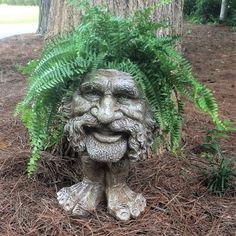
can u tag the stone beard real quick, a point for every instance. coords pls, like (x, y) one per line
(109, 124)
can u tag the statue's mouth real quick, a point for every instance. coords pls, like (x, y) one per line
(103, 134)
(106, 136)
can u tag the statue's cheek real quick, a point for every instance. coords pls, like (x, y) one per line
(80, 105)
(134, 110)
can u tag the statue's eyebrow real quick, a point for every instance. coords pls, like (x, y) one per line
(126, 89)
(91, 86)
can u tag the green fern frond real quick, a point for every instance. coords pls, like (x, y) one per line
(103, 40)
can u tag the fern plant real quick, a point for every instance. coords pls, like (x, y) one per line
(221, 176)
(103, 40)
(222, 172)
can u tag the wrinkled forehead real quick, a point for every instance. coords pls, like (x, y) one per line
(112, 80)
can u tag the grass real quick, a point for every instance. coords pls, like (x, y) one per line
(18, 14)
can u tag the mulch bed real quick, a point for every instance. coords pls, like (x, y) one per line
(178, 202)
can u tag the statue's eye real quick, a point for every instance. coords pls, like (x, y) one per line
(92, 95)
(122, 96)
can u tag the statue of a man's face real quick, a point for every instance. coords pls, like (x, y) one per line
(109, 118)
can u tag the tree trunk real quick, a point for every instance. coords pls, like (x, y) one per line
(64, 18)
(44, 7)
(223, 10)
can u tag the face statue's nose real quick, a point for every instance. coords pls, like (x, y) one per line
(105, 111)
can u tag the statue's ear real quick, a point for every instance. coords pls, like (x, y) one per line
(66, 107)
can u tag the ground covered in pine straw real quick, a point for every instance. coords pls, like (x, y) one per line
(178, 202)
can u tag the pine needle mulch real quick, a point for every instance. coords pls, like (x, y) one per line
(178, 202)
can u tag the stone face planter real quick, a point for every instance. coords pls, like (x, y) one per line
(109, 124)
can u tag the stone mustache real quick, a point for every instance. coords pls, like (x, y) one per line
(109, 124)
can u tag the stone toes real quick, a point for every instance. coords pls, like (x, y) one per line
(67, 203)
(62, 198)
(122, 213)
(80, 211)
(140, 202)
(60, 194)
(137, 206)
(131, 210)
(135, 212)
(68, 206)
(63, 192)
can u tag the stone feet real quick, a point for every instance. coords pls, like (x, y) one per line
(82, 198)
(123, 203)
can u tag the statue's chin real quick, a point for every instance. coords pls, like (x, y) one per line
(102, 151)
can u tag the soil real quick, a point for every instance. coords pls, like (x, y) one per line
(178, 201)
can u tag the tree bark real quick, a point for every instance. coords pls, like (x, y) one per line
(64, 18)
(44, 7)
